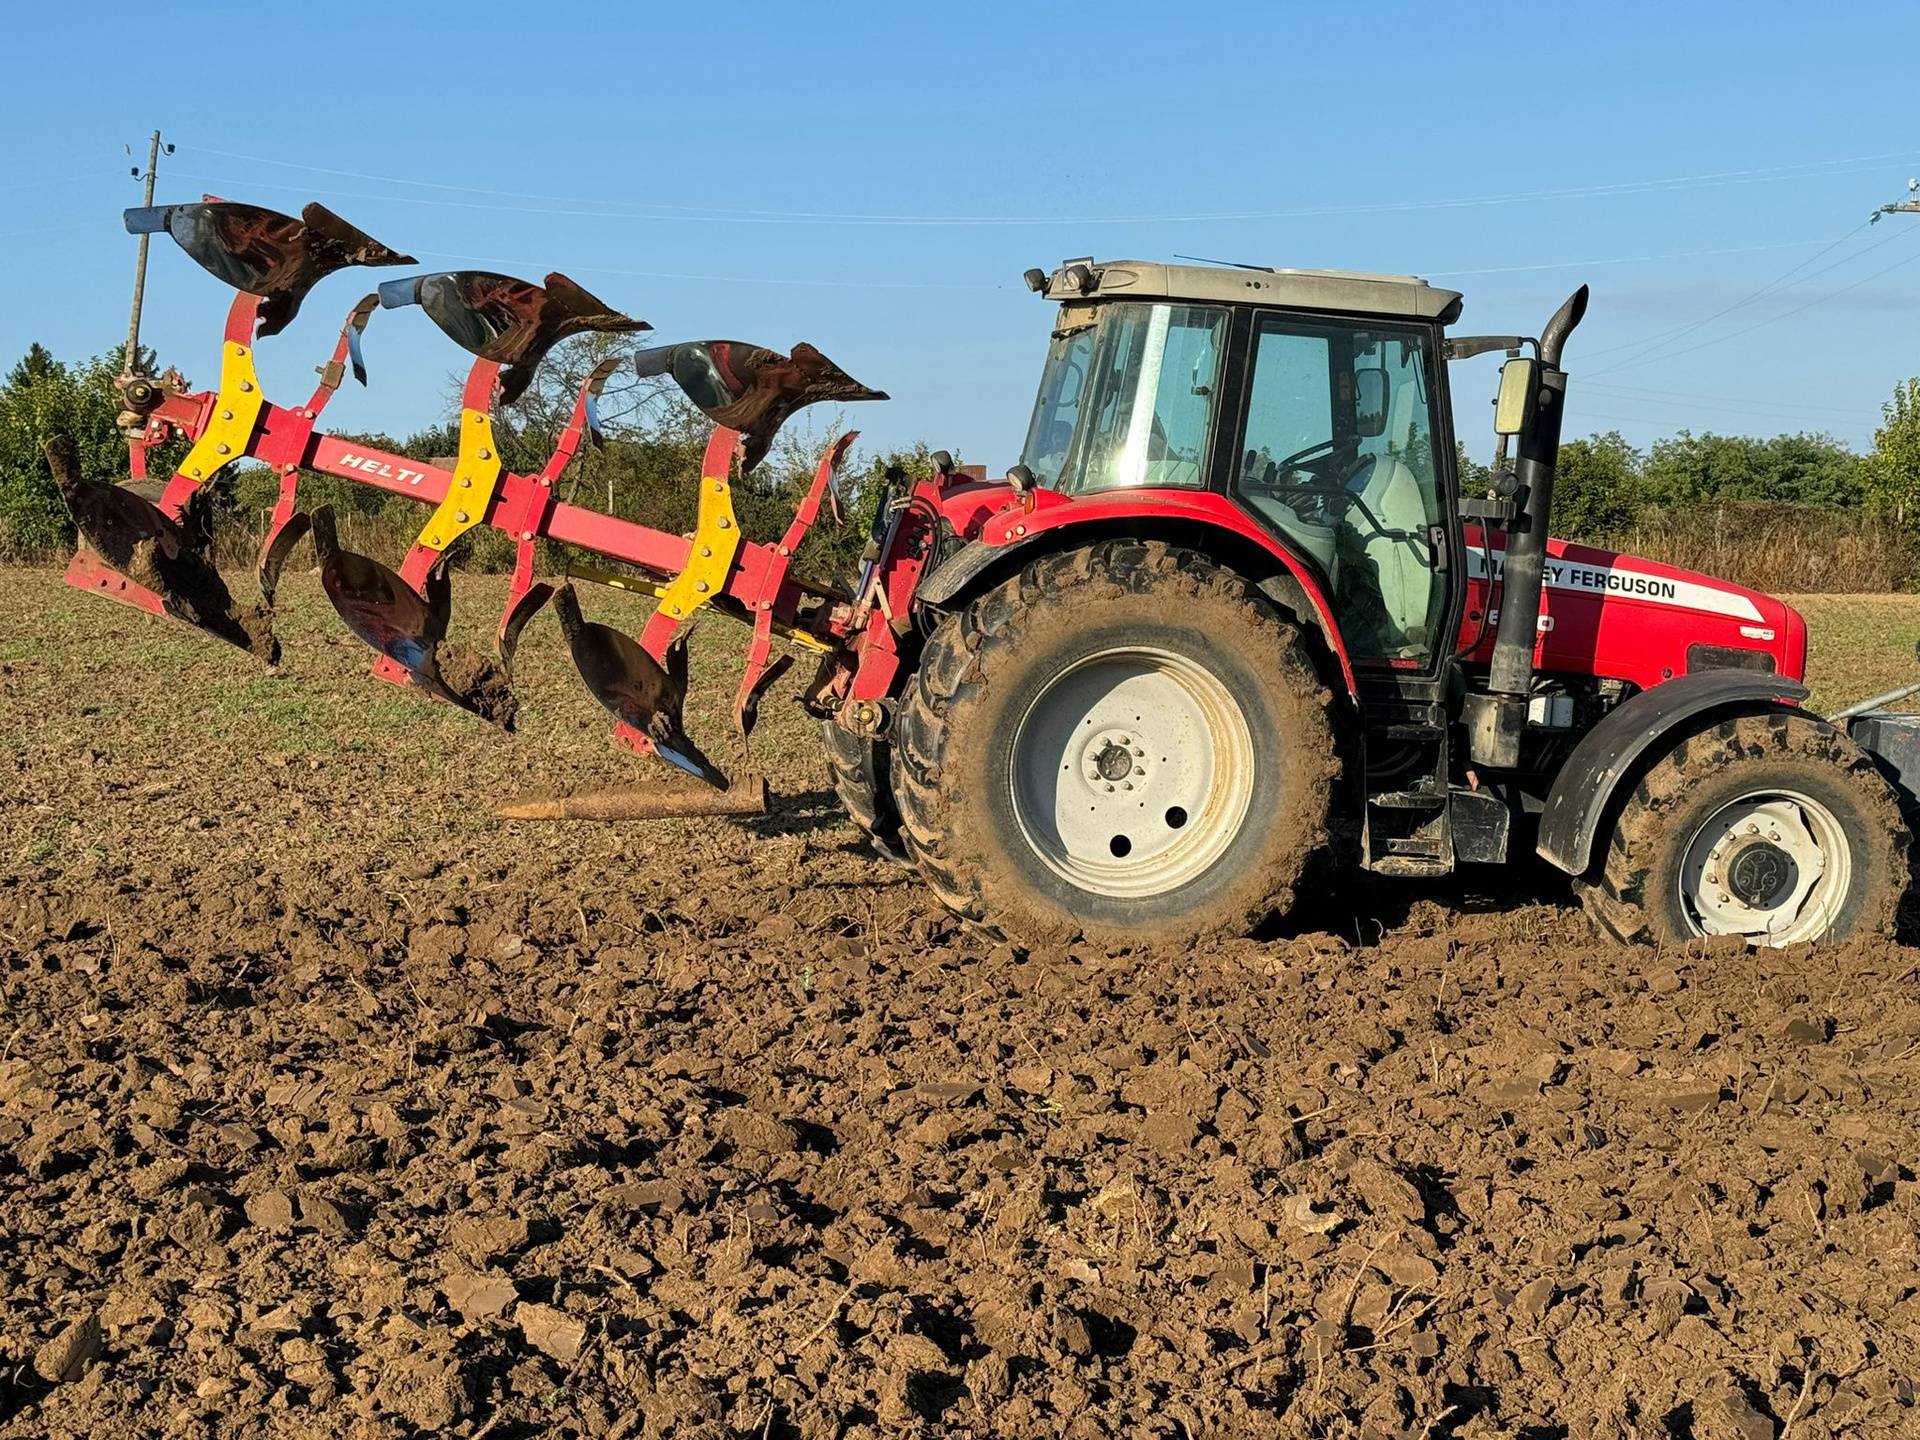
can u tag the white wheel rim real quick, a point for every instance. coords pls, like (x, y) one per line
(1131, 772)
(1772, 865)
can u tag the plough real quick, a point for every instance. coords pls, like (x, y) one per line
(157, 555)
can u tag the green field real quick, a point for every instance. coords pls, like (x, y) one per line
(1859, 645)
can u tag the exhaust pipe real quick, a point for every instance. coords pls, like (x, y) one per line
(1496, 727)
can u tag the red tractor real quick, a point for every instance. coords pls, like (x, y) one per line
(1228, 624)
(1231, 622)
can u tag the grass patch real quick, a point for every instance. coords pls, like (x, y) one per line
(1859, 645)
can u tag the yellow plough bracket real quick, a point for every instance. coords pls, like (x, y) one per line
(236, 410)
(716, 540)
(476, 473)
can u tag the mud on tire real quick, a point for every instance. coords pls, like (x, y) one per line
(990, 668)
(861, 773)
(1646, 891)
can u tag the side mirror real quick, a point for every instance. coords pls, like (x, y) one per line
(1519, 394)
(1370, 401)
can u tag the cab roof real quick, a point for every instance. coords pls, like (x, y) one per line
(1346, 292)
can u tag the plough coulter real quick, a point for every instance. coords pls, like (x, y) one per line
(1231, 622)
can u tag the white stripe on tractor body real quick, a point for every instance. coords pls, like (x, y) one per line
(1579, 577)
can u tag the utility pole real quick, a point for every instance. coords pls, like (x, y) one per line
(1909, 206)
(140, 266)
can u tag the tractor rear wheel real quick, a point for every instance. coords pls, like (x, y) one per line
(860, 770)
(1775, 826)
(1126, 742)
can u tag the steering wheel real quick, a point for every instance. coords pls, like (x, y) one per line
(1326, 500)
(1332, 447)
(1323, 496)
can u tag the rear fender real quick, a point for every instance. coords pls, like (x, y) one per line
(1206, 523)
(1610, 754)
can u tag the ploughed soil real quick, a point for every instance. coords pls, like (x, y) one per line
(329, 1107)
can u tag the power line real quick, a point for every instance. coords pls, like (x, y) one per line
(604, 209)
(1628, 419)
(718, 279)
(53, 180)
(1647, 345)
(1771, 319)
(50, 229)
(1676, 397)
(1629, 260)
(1685, 407)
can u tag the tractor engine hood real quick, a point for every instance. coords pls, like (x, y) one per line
(1619, 617)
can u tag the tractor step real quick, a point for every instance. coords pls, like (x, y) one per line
(1413, 730)
(1408, 867)
(1407, 800)
(1410, 831)
(1409, 841)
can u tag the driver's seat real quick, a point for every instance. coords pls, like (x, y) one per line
(1400, 559)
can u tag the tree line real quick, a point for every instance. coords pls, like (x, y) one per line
(1788, 512)
(1792, 512)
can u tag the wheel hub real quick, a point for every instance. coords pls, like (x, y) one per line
(1772, 865)
(1111, 759)
(1760, 874)
(1131, 772)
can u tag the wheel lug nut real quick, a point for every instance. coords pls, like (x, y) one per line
(1109, 789)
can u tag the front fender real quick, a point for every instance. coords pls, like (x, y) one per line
(1198, 520)
(1608, 753)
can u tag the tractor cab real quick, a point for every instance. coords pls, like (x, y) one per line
(1313, 399)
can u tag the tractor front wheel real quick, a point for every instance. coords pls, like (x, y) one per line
(1775, 827)
(1126, 742)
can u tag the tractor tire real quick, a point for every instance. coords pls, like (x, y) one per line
(860, 772)
(1125, 742)
(1773, 826)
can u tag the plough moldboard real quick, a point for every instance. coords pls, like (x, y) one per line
(158, 555)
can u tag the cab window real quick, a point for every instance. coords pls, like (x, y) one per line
(1337, 459)
(1138, 395)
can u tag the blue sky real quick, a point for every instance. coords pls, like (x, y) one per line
(702, 167)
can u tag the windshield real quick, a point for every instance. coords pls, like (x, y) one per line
(1050, 433)
(1129, 402)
